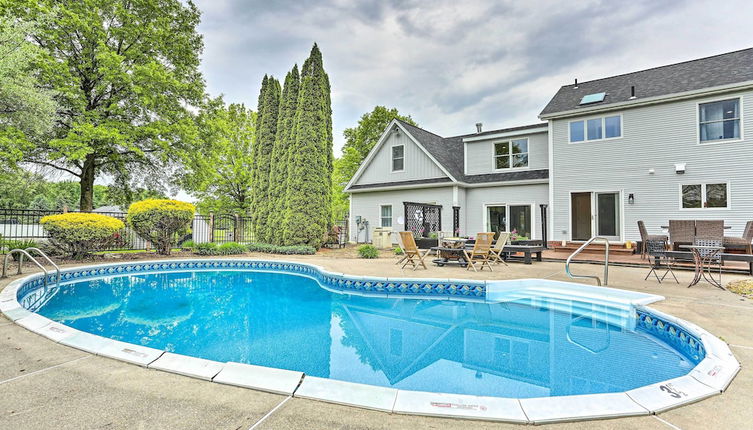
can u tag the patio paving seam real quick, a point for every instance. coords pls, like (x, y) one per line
(268, 414)
(741, 346)
(44, 370)
(667, 422)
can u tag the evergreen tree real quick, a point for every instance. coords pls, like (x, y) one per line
(266, 129)
(281, 154)
(308, 203)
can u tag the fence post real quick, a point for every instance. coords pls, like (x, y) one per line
(235, 228)
(211, 226)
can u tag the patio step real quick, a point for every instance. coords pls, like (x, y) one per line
(593, 249)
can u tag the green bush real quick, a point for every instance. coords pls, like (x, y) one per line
(188, 244)
(368, 251)
(398, 250)
(158, 221)
(207, 248)
(231, 248)
(286, 250)
(78, 234)
(9, 245)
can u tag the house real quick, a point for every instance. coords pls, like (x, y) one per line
(664, 143)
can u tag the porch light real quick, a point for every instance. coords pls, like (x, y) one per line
(631, 199)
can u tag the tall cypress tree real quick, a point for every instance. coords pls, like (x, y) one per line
(266, 129)
(308, 203)
(281, 154)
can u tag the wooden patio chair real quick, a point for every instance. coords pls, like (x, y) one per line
(709, 230)
(681, 232)
(402, 246)
(498, 248)
(645, 238)
(481, 252)
(412, 254)
(746, 240)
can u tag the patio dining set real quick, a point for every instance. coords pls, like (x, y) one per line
(701, 242)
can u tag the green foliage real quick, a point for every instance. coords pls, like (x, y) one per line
(268, 110)
(9, 245)
(206, 248)
(308, 211)
(125, 74)
(358, 142)
(281, 156)
(398, 250)
(79, 234)
(220, 175)
(158, 221)
(231, 248)
(188, 244)
(27, 109)
(368, 251)
(276, 249)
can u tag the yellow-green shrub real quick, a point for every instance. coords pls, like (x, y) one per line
(81, 233)
(158, 220)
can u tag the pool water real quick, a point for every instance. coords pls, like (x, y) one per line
(288, 321)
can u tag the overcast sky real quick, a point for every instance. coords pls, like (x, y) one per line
(450, 64)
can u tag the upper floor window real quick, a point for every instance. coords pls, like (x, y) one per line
(697, 196)
(608, 127)
(385, 216)
(719, 120)
(511, 154)
(398, 158)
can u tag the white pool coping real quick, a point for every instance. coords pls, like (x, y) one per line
(710, 377)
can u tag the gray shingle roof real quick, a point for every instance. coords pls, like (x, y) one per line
(724, 69)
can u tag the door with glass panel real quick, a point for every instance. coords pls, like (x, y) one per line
(595, 214)
(516, 219)
(607, 215)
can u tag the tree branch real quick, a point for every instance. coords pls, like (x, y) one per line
(55, 166)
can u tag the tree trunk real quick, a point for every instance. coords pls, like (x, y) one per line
(86, 203)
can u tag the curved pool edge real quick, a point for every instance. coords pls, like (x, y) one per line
(710, 377)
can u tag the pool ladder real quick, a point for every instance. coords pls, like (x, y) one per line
(606, 261)
(27, 252)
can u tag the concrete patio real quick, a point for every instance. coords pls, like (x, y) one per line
(44, 384)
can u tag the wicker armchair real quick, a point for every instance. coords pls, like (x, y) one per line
(709, 230)
(746, 240)
(681, 232)
(645, 238)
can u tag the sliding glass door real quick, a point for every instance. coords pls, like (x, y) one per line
(595, 214)
(516, 219)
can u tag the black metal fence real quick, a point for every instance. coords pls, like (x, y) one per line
(23, 224)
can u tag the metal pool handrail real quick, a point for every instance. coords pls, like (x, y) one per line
(33, 260)
(606, 261)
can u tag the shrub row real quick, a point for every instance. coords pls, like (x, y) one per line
(231, 248)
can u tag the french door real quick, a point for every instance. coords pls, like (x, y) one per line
(595, 214)
(517, 219)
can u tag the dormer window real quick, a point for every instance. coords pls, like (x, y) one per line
(398, 158)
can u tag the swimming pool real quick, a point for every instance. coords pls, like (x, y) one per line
(396, 342)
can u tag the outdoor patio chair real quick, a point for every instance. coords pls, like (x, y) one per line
(645, 238)
(481, 252)
(412, 255)
(681, 232)
(658, 250)
(402, 246)
(712, 259)
(746, 240)
(711, 230)
(498, 248)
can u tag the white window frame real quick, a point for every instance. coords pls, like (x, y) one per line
(382, 218)
(703, 196)
(719, 141)
(603, 129)
(484, 216)
(392, 159)
(510, 154)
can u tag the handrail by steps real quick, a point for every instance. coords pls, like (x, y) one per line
(606, 261)
(33, 260)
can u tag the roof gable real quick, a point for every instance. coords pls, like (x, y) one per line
(719, 70)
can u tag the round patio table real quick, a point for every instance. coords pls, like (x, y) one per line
(703, 256)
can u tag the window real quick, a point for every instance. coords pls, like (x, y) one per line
(719, 120)
(511, 154)
(398, 158)
(697, 196)
(609, 127)
(386, 216)
(520, 220)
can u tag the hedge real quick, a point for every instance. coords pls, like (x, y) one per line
(158, 221)
(276, 249)
(81, 233)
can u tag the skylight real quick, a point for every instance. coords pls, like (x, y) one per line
(592, 98)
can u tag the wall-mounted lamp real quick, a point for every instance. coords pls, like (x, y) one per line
(631, 199)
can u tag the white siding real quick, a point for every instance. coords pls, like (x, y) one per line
(480, 154)
(477, 198)
(655, 137)
(417, 164)
(366, 205)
